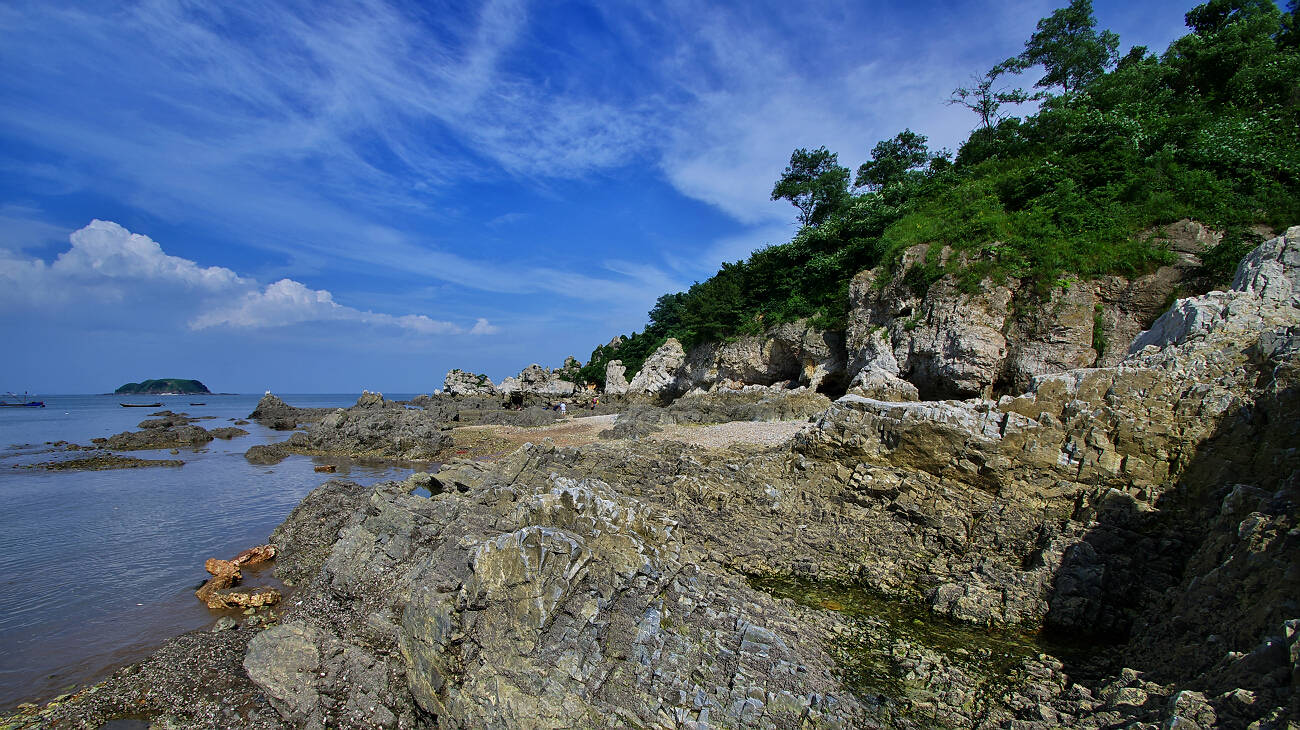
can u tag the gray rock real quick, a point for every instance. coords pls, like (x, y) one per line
(283, 660)
(459, 382)
(615, 383)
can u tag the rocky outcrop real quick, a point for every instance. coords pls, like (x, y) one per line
(537, 380)
(950, 342)
(156, 437)
(274, 413)
(794, 353)
(369, 401)
(615, 383)
(660, 373)
(374, 432)
(564, 604)
(459, 382)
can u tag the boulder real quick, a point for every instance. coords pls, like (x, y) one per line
(283, 660)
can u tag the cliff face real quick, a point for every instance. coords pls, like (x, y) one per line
(942, 341)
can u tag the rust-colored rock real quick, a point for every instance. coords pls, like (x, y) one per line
(243, 597)
(225, 573)
(255, 555)
(217, 566)
(326, 468)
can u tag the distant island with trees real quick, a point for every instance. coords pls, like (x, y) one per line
(163, 385)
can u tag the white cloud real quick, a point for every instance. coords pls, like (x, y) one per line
(107, 266)
(106, 250)
(287, 302)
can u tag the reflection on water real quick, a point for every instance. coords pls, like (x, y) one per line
(98, 568)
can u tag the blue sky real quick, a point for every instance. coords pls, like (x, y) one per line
(330, 196)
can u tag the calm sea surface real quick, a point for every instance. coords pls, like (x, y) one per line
(99, 568)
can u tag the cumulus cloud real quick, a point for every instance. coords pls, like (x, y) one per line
(107, 264)
(106, 250)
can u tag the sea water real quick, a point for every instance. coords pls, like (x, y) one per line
(98, 568)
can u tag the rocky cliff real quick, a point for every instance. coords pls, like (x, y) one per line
(908, 341)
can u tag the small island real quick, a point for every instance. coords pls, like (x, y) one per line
(163, 386)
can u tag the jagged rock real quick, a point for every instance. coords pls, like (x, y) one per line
(375, 432)
(615, 383)
(370, 400)
(953, 343)
(276, 414)
(216, 592)
(185, 436)
(227, 432)
(794, 351)
(537, 380)
(568, 598)
(242, 597)
(659, 374)
(459, 382)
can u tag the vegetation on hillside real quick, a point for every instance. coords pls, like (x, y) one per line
(1209, 130)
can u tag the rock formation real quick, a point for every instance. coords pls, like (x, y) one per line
(274, 413)
(157, 436)
(615, 383)
(374, 432)
(537, 380)
(949, 342)
(660, 372)
(459, 382)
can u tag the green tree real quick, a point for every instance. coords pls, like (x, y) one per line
(892, 159)
(815, 183)
(981, 98)
(1069, 47)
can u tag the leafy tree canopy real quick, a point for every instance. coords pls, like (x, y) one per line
(815, 183)
(1069, 47)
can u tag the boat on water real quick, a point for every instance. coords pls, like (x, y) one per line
(198, 404)
(140, 405)
(13, 400)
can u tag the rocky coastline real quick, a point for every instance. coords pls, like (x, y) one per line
(993, 523)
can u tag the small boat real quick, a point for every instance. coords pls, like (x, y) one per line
(20, 402)
(198, 404)
(140, 405)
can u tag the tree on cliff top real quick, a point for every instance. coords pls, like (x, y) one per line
(1069, 47)
(815, 183)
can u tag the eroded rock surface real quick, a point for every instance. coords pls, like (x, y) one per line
(459, 382)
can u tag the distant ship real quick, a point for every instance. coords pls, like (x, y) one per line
(12, 400)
